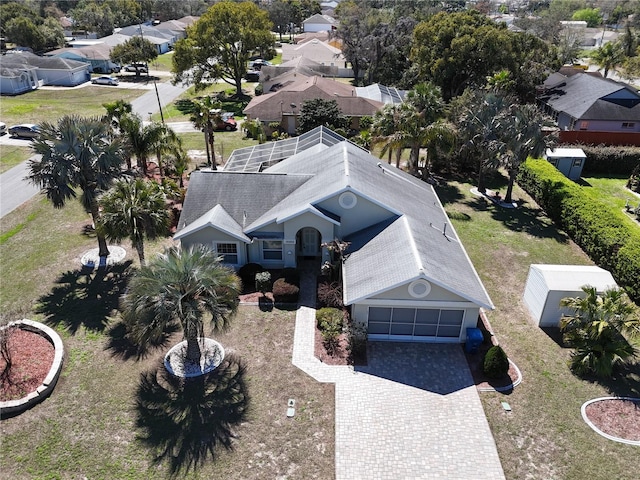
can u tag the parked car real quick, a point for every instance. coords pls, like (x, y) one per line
(105, 81)
(227, 122)
(110, 69)
(26, 130)
(136, 67)
(252, 76)
(3, 128)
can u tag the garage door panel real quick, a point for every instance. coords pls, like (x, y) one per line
(415, 322)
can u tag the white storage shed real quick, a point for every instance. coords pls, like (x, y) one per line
(569, 161)
(547, 285)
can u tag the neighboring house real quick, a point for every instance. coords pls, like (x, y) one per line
(316, 50)
(406, 275)
(98, 56)
(284, 105)
(570, 161)
(592, 109)
(319, 23)
(48, 70)
(176, 27)
(286, 73)
(164, 39)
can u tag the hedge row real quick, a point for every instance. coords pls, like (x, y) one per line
(610, 160)
(604, 233)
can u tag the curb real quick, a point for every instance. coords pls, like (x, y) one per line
(12, 407)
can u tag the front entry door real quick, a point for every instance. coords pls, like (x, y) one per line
(310, 242)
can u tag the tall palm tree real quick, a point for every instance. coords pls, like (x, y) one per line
(135, 209)
(608, 56)
(482, 122)
(602, 329)
(77, 152)
(206, 114)
(524, 138)
(181, 286)
(167, 141)
(384, 126)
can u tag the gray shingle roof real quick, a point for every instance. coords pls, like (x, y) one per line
(410, 244)
(582, 97)
(20, 59)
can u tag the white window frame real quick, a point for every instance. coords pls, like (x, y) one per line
(628, 125)
(264, 250)
(224, 255)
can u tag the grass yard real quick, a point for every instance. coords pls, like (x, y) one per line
(11, 155)
(87, 428)
(544, 436)
(611, 190)
(49, 105)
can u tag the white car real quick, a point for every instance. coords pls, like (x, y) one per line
(105, 81)
(3, 128)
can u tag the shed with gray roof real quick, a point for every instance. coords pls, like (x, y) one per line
(406, 275)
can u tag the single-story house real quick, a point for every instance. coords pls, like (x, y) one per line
(319, 23)
(49, 71)
(163, 39)
(592, 109)
(289, 72)
(283, 106)
(316, 50)
(569, 161)
(98, 56)
(405, 274)
(17, 80)
(547, 285)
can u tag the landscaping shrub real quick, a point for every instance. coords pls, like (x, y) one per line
(329, 321)
(291, 275)
(610, 160)
(285, 292)
(263, 282)
(496, 363)
(329, 293)
(247, 274)
(633, 183)
(603, 232)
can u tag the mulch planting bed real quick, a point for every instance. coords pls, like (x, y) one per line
(31, 359)
(618, 418)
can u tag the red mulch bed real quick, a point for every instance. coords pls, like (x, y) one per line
(254, 297)
(475, 361)
(31, 358)
(618, 418)
(339, 357)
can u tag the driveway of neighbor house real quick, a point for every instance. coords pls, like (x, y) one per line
(413, 412)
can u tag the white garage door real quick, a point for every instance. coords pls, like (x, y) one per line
(417, 323)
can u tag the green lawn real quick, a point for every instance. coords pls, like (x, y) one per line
(49, 105)
(163, 63)
(87, 428)
(611, 191)
(544, 436)
(11, 155)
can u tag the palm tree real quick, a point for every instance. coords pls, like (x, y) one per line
(205, 115)
(608, 56)
(384, 127)
(602, 330)
(181, 286)
(141, 140)
(135, 209)
(482, 122)
(524, 138)
(167, 142)
(77, 152)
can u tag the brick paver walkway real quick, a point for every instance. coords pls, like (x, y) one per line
(412, 413)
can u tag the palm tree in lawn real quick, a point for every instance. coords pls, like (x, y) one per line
(482, 122)
(181, 287)
(141, 140)
(384, 128)
(603, 329)
(136, 209)
(167, 141)
(116, 111)
(205, 115)
(524, 138)
(608, 56)
(77, 153)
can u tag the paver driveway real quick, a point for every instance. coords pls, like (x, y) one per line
(411, 413)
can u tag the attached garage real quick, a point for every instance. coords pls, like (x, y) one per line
(547, 285)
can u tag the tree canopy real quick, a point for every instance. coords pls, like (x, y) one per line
(25, 27)
(317, 112)
(136, 49)
(462, 49)
(219, 44)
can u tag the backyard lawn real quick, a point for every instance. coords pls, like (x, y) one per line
(87, 428)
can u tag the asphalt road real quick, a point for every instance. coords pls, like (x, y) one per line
(15, 190)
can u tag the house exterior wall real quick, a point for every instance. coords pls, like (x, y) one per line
(364, 214)
(210, 236)
(316, 27)
(437, 294)
(64, 78)
(25, 82)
